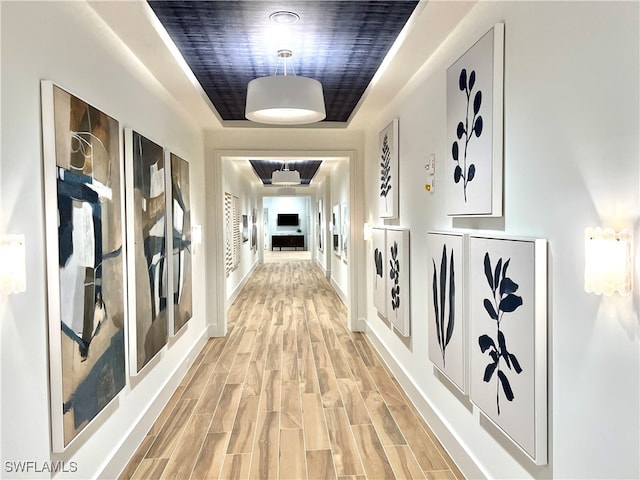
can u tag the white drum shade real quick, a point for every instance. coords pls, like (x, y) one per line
(285, 100)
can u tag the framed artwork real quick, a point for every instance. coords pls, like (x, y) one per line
(389, 185)
(245, 228)
(398, 288)
(321, 232)
(335, 225)
(508, 338)
(254, 230)
(380, 268)
(344, 236)
(447, 325)
(474, 128)
(147, 272)
(182, 283)
(84, 211)
(237, 238)
(228, 233)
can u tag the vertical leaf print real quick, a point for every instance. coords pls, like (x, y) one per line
(503, 300)
(377, 259)
(444, 332)
(394, 274)
(385, 169)
(467, 129)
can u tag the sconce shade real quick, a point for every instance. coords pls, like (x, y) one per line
(196, 234)
(13, 276)
(607, 265)
(285, 100)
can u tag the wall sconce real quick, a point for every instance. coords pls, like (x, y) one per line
(196, 234)
(607, 263)
(13, 275)
(367, 232)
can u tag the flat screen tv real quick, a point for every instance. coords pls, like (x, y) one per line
(288, 220)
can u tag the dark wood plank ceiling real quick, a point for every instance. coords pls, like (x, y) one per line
(339, 43)
(306, 168)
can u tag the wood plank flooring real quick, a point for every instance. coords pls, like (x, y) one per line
(289, 393)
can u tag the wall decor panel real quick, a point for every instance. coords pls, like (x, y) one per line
(398, 275)
(146, 172)
(389, 187)
(182, 282)
(475, 128)
(508, 338)
(84, 209)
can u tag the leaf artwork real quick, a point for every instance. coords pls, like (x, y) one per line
(503, 301)
(385, 168)
(394, 274)
(444, 331)
(467, 130)
(377, 258)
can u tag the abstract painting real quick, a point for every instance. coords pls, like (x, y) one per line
(182, 285)
(83, 175)
(508, 338)
(446, 323)
(344, 229)
(388, 156)
(379, 261)
(474, 128)
(398, 298)
(228, 233)
(335, 226)
(147, 248)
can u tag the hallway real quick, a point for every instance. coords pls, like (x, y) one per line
(289, 393)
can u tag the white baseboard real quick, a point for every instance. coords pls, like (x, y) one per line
(130, 442)
(242, 283)
(453, 446)
(338, 290)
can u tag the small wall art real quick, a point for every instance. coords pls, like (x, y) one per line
(398, 288)
(388, 158)
(380, 267)
(182, 284)
(335, 219)
(344, 230)
(147, 248)
(447, 326)
(508, 338)
(84, 212)
(320, 227)
(254, 230)
(475, 128)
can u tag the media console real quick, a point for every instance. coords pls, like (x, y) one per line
(287, 241)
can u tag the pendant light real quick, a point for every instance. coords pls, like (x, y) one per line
(285, 99)
(285, 176)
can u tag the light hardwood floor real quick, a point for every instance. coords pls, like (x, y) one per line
(289, 393)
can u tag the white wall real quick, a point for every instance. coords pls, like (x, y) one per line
(571, 160)
(321, 256)
(66, 42)
(235, 184)
(300, 205)
(338, 194)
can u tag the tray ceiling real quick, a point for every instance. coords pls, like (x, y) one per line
(228, 43)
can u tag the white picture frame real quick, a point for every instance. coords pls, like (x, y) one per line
(344, 230)
(474, 162)
(508, 338)
(335, 230)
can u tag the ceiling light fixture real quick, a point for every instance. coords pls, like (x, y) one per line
(285, 176)
(283, 17)
(285, 99)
